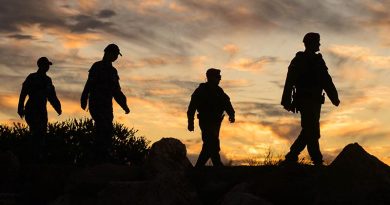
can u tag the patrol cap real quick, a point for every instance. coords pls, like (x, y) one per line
(213, 72)
(112, 48)
(311, 37)
(43, 61)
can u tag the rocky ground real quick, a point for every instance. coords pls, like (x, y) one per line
(168, 178)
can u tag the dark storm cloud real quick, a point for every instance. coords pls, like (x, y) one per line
(45, 13)
(262, 110)
(292, 15)
(17, 13)
(21, 37)
(106, 13)
(85, 23)
(17, 59)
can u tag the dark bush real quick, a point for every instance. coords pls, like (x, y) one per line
(71, 142)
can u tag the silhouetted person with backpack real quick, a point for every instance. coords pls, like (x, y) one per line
(210, 101)
(306, 80)
(103, 85)
(39, 89)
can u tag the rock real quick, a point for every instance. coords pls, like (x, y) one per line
(353, 159)
(241, 195)
(164, 190)
(9, 171)
(168, 155)
(167, 165)
(41, 183)
(355, 177)
(91, 180)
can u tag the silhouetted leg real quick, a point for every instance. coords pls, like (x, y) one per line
(104, 133)
(203, 157)
(297, 147)
(211, 147)
(215, 157)
(313, 146)
(38, 129)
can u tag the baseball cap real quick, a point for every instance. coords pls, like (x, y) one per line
(43, 61)
(112, 48)
(311, 37)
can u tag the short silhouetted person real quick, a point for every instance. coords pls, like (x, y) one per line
(306, 80)
(39, 89)
(211, 102)
(103, 85)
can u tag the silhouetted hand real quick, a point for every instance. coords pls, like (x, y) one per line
(190, 126)
(290, 108)
(232, 119)
(127, 110)
(21, 113)
(336, 102)
(83, 104)
(59, 112)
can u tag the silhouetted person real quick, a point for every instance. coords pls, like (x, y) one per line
(39, 89)
(306, 80)
(103, 85)
(210, 101)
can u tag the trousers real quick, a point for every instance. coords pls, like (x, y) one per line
(210, 137)
(310, 133)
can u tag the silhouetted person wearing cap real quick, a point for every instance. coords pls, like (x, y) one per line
(103, 85)
(211, 102)
(39, 89)
(306, 80)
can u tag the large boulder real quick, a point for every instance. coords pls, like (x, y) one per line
(168, 155)
(353, 159)
(242, 195)
(91, 180)
(163, 190)
(355, 177)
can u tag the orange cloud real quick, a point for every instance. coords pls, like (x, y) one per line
(358, 55)
(251, 64)
(231, 49)
(178, 8)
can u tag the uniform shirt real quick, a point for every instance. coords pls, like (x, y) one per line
(308, 74)
(39, 88)
(103, 85)
(210, 101)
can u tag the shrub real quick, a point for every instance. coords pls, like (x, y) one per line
(71, 142)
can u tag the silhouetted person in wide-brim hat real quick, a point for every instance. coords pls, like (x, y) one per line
(211, 102)
(306, 80)
(39, 89)
(101, 87)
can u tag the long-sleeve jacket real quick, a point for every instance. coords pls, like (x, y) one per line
(103, 85)
(308, 75)
(39, 89)
(210, 101)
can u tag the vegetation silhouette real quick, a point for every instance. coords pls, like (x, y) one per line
(39, 89)
(211, 102)
(71, 142)
(307, 78)
(101, 87)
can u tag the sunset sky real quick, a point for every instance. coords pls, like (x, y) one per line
(168, 45)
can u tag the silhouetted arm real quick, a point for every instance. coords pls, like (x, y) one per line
(52, 97)
(192, 109)
(119, 97)
(330, 89)
(229, 109)
(22, 98)
(328, 84)
(90, 81)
